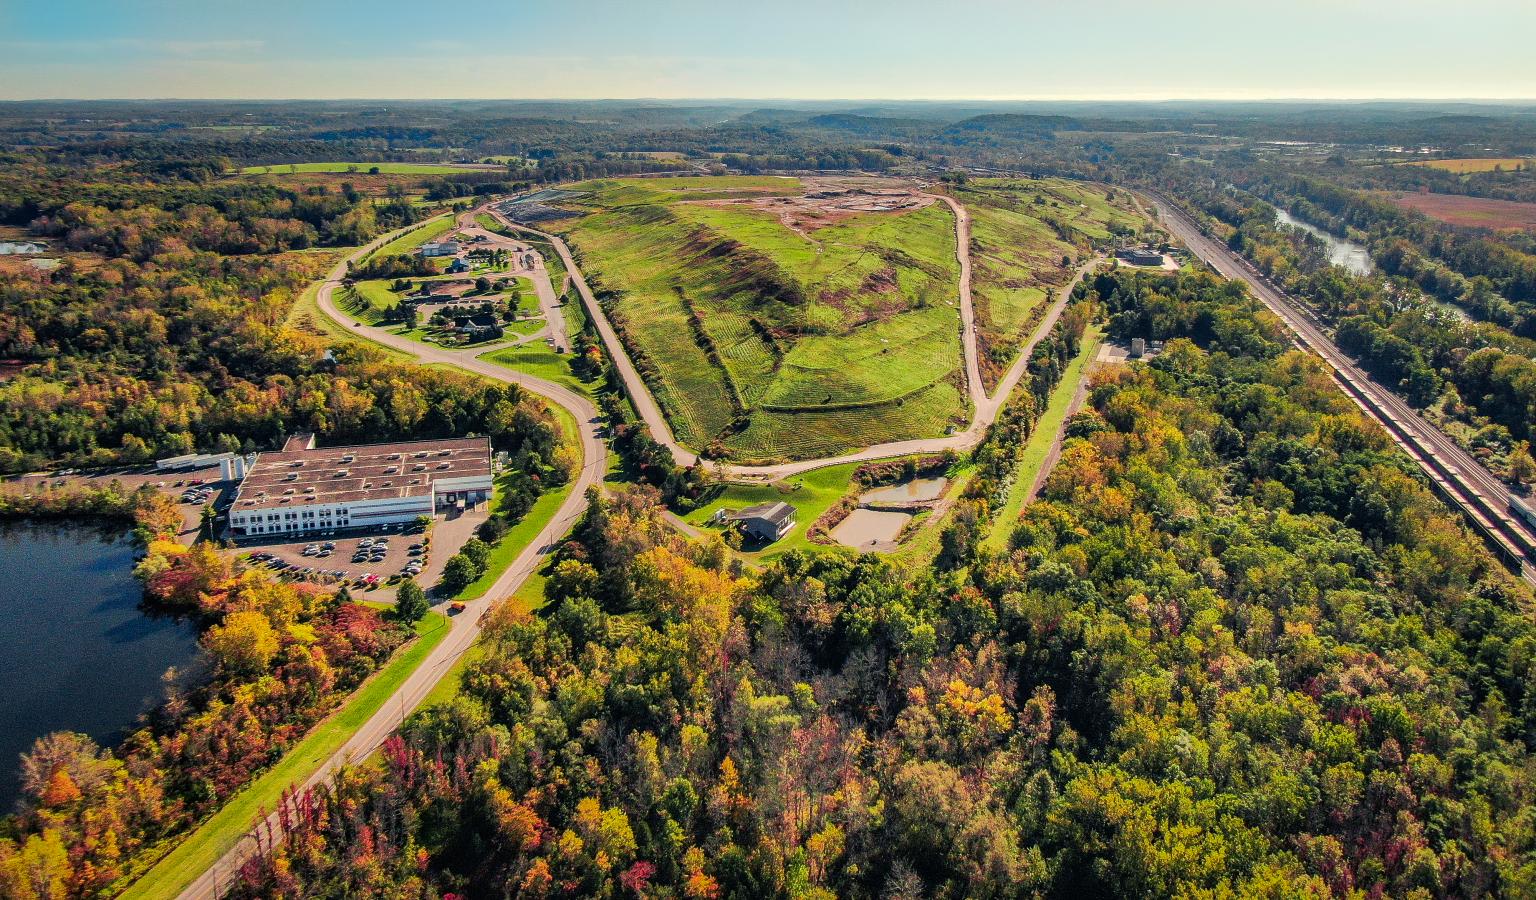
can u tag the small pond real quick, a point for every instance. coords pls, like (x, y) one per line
(78, 652)
(864, 527)
(914, 491)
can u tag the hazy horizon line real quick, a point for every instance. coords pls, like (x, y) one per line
(1299, 98)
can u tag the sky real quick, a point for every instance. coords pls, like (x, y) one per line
(792, 49)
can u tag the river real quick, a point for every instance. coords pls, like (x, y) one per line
(77, 652)
(1348, 254)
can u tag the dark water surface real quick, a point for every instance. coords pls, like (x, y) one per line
(77, 653)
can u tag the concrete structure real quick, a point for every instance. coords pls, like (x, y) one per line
(1138, 348)
(234, 468)
(304, 489)
(766, 521)
(191, 461)
(439, 248)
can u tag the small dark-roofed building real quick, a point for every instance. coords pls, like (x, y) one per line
(1140, 256)
(457, 266)
(766, 522)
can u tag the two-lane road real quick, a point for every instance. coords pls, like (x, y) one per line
(466, 625)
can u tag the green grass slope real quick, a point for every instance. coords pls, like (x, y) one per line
(772, 343)
(1020, 231)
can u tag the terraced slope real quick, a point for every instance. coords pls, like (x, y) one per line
(776, 319)
(1021, 229)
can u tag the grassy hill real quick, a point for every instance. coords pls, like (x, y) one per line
(1020, 231)
(771, 341)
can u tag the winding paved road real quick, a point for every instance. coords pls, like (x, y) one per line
(466, 626)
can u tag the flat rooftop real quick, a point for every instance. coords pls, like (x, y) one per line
(295, 478)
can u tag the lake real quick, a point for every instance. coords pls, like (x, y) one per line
(77, 652)
(1348, 254)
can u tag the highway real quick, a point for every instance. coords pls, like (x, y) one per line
(1460, 478)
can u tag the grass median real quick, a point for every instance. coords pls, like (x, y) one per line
(217, 834)
(1040, 441)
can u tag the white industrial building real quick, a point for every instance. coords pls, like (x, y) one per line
(304, 489)
(192, 461)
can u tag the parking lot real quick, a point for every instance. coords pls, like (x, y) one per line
(372, 571)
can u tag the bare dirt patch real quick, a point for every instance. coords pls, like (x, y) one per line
(1471, 212)
(829, 200)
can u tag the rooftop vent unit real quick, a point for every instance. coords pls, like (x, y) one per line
(342, 473)
(288, 491)
(421, 454)
(445, 465)
(309, 490)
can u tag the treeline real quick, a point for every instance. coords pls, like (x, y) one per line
(276, 659)
(121, 213)
(1236, 649)
(125, 363)
(998, 455)
(1401, 338)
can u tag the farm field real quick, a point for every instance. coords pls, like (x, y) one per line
(360, 168)
(1471, 166)
(1471, 212)
(1021, 229)
(780, 318)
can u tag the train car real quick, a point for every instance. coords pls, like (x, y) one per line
(1522, 509)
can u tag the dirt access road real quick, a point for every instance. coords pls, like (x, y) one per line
(465, 626)
(985, 409)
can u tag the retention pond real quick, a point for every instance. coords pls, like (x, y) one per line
(78, 652)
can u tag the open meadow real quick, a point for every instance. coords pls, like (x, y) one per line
(1472, 166)
(1471, 212)
(777, 317)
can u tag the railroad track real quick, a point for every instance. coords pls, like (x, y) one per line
(1457, 476)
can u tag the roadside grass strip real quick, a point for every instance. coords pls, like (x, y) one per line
(1038, 447)
(218, 833)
